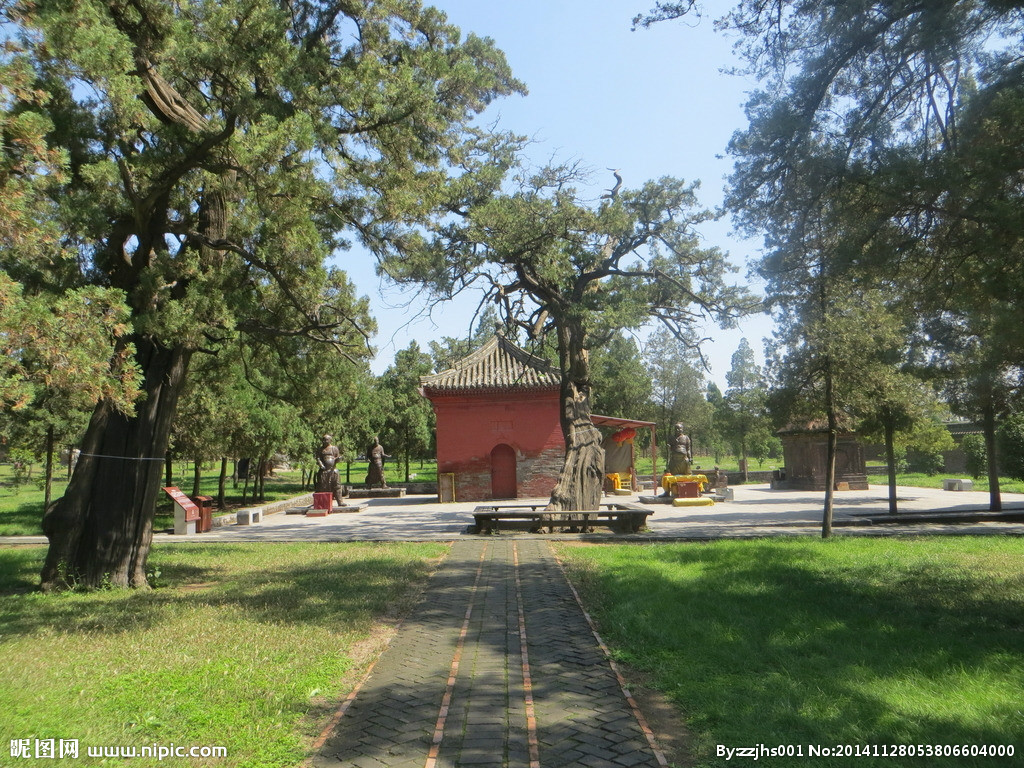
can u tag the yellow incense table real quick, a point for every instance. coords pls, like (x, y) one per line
(668, 482)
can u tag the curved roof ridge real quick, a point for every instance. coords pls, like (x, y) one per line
(498, 364)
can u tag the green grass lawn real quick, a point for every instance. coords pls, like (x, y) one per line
(797, 642)
(21, 505)
(921, 480)
(247, 647)
(844, 642)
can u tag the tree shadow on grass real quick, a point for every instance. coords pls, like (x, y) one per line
(338, 592)
(26, 519)
(770, 643)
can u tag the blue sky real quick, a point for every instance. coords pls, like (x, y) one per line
(652, 103)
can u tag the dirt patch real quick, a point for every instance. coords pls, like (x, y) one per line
(196, 586)
(670, 731)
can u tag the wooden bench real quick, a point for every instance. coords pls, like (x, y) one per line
(621, 518)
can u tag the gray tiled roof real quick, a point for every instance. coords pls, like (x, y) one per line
(498, 364)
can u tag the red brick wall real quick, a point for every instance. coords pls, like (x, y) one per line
(470, 426)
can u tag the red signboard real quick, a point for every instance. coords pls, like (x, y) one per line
(191, 510)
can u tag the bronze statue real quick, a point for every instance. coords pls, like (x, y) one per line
(327, 456)
(682, 455)
(375, 472)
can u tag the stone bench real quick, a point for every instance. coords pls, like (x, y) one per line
(249, 516)
(957, 484)
(620, 518)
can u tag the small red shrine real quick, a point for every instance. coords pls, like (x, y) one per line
(498, 432)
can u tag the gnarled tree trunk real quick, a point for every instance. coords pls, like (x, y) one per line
(100, 531)
(579, 485)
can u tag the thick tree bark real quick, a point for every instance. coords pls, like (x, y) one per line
(100, 531)
(579, 485)
(890, 459)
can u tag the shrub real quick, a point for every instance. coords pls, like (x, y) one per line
(928, 462)
(1011, 446)
(973, 447)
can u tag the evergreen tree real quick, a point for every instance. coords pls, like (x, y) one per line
(622, 383)
(678, 392)
(562, 268)
(409, 420)
(909, 118)
(747, 423)
(216, 153)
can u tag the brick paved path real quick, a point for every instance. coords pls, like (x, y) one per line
(454, 687)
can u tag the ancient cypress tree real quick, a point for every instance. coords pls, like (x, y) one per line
(218, 153)
(565, 269)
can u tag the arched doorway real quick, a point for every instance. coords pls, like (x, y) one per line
(503, 472)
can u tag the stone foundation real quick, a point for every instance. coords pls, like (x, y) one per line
(535, 475)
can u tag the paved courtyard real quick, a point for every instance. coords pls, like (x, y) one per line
(756, 511)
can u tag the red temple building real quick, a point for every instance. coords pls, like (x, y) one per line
(498, 431)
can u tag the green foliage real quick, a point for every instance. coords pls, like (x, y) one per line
(679, 388)
(589, 271)
(927, 462)
(622, 383)
(210, 158)
(884, 144)
(1011, 446)
(408, 416)
(214, 156)
(30, 167)
(564, 269)
(974, 448)
(744, 420)
(70, 346)
(832, 344)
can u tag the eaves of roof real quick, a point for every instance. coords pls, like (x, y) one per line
(499, 365)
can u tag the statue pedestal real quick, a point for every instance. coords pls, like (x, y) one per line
(377, 493)
(323, 500)
(347, 508)
(322, 505)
